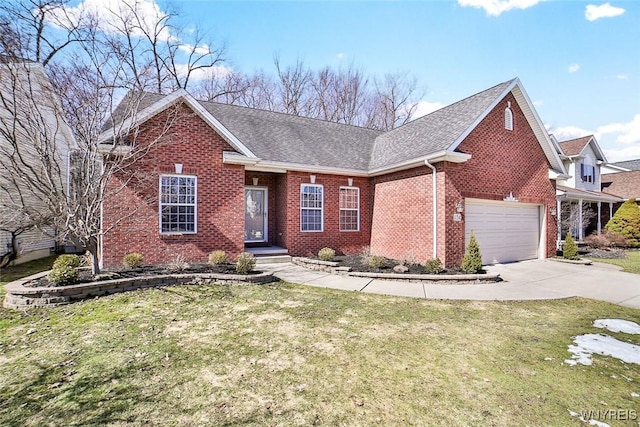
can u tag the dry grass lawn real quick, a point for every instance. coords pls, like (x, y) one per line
(289, 355)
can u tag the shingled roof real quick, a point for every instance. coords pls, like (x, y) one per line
(573, 147)
(623, 184)
(288, 139)
(633, 165)
(434, 132)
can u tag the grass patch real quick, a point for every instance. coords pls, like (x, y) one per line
(284, 354)
(630, 264)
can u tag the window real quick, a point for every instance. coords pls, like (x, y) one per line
(349, 209)
(177, 204)
(311, 207)
(508, 118)
(588, 173)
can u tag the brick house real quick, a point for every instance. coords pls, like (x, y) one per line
(231, 178)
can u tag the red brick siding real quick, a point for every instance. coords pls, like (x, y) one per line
(220, 201)
(402, 223)
(502, 162)
(308, 243)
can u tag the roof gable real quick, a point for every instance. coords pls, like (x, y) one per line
(577, 147)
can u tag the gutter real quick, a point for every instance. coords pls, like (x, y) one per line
(434, 193)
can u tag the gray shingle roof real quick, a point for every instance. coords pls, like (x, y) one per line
(294, 139)
(434, 132)
(633, 165)
(286, 138)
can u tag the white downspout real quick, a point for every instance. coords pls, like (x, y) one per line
(435, 207)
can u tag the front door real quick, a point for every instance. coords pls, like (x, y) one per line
(255, 214)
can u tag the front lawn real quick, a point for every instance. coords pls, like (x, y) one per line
(284, 354)
(630, 264)
(19, 271)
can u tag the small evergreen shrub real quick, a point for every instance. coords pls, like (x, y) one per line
(245, 262)
(64, 270)
(433, 266)
(217, 257)
(376, 261)
(132, 260)
(472, 261)
(626, 222)
(570, 249)
(326, 254)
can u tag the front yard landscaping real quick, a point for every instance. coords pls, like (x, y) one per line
(283, 354)
(629, 261)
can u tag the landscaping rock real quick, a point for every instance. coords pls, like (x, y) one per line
(400, 268)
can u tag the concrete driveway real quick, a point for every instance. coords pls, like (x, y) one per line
(527, 280)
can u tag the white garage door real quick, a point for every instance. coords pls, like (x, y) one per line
(506, 231)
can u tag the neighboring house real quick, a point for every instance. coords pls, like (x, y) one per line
(623, 184)
(232, 177)
(582, 207)
(623, 166)
(30, 118)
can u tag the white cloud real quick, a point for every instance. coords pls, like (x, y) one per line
(113, 16)
(538, 103)
(605, 10)
(497, 7)
(215, 72)
(622, 77)
(566, 133)
(574, 67)
(628, 133)
(200, 50)
(425, 107)
(340, 56)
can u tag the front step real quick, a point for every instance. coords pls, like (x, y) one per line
(273, 259)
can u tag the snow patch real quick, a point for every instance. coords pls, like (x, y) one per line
(604, 345)
(618, 325)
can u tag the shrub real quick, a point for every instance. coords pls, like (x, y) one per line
(178, 263)
(376, 261)
(597, 241)
(615, 239)
(132, 260)
(626, 222)
(64, 270)
(472, 261)
(217, 257)
(245, 262)
(570, 249)
(327, 254)
(433, 266)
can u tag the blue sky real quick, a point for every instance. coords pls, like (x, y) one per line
(578, 60)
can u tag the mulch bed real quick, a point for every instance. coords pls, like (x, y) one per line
(85, 275)
(604, 253)
(358, 263)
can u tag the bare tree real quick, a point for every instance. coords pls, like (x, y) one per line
(393, 102)
(571, 218)
(55, 182)
(293, 87)
(339, 96)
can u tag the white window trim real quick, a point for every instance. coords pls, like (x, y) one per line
(321, 209)
(348, 209)
(195, 205)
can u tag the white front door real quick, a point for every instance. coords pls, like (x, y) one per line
(255, 214)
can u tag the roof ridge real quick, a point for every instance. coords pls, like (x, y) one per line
(289, 115)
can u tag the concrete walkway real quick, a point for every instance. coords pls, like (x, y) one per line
(527, 280)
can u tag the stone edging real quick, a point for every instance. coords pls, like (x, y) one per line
(334, 268)
(572, 261)
(19, 296)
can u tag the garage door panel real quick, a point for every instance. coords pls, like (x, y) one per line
(505, 231)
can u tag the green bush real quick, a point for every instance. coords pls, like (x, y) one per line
(433, 266)
(64, 270)
(245, 262)
(472, 261)
(626, 222)
(326, 254)
(570, 249)
(376, 261)
(132, 260)
(217, 257)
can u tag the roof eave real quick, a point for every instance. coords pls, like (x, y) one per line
(440, 156)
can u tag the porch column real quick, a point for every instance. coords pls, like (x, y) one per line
(599, 217)
(559, 219)
(610, 210)
(581, 226)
